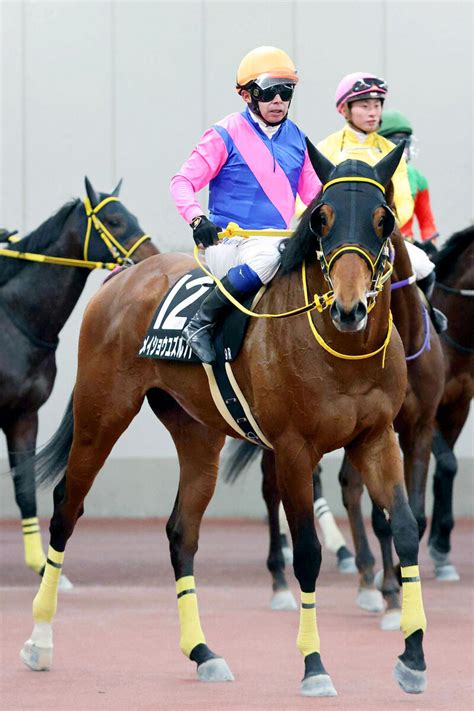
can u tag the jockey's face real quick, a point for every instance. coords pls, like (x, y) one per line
(364, 115)
(274, 111)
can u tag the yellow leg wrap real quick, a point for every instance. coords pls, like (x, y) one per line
(45, 602)
(35, 557)
(190, 624)
(308, 636)
(413, 614)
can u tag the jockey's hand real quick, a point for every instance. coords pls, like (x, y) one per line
(204, 231)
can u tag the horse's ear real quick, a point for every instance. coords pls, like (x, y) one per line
(386, 167)
(115, 192)
(322, 166)
(91, 193)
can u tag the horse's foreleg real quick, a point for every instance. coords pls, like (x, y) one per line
(21, 433)
(198, 450)
(294, 468)
(380, 463)
(368, 597)
(333, 539)
(282, 597)
(388, 584)
(94, 436)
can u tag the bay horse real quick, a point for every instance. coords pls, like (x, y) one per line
(36, 299)
(453, 294)
(313, 384)
(414, 424)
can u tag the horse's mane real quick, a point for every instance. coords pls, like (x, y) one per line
(302, 244)
(37, 241)
(456, 245)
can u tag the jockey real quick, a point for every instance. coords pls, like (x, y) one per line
(396, 127)
(255, 163)
(360, 98)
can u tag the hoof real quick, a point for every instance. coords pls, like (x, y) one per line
(65, 584)
(287, 555)
(36, 658)
(283, 600)
(347, 566)
(390, 622)
(214, 670)
(370, 600)
(318, 685)
(410, 680)
(447, 573)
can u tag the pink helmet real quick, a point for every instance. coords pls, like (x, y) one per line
(359, 85)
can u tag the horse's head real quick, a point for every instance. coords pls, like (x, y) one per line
(353, 224)
(113, 231)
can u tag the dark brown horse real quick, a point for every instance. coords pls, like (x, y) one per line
(454, 294)
(305, 399)
(36, 299)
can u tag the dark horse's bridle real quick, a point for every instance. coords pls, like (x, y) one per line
(117, 250)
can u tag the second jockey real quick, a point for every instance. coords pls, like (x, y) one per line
(255, 163)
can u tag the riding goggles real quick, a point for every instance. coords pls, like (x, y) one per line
(363, 85)
(285, 91)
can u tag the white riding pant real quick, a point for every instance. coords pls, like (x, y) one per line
(260, 253)
(263, 256)
(420, 262)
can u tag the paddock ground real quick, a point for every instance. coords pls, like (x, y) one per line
(116, 633)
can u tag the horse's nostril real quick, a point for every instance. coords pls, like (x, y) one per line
(355, 315)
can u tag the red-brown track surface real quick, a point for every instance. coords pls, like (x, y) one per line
(116, 634)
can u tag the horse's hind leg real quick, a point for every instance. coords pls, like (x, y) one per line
(198, 450)
(21, 432)
(380, 464)
(333, 539)
(282, 597)
(94, 436)
(368, 597)
(451, 420)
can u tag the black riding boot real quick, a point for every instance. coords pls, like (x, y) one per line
(198, 332)
(440, 321)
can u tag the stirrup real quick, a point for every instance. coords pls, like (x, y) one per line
(440, 321)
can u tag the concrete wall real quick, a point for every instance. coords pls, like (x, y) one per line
(112, 89)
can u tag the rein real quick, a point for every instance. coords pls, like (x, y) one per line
(320, 303)
(112, 244)
(451, 290)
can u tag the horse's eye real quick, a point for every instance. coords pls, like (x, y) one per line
(323, 220)
(381, 221)
(113, 221)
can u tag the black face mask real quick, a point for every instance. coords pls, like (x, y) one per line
(353, 204)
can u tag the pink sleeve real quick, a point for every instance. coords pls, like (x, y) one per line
(309, 184)
(203, 164)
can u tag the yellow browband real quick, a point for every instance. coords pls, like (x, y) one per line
(112, 244)
(354, 179)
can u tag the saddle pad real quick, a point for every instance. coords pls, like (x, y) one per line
(163, 338)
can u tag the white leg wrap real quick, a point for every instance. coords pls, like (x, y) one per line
(284, 528)
(333, 538)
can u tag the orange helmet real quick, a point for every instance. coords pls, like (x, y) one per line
(270, 65)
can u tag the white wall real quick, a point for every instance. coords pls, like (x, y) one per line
(112, 89)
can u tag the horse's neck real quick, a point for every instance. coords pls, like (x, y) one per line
(405, 303)
(42, 296)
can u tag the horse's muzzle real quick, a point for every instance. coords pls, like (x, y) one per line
(349, 321)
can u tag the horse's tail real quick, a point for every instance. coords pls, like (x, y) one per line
(241, 454)
(51, 460)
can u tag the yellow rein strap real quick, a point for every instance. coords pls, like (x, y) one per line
(64, 261)
(330, 350)
(320, 302)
